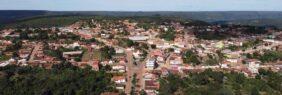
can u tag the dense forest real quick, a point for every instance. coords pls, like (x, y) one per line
(62, 79)
(220, 83)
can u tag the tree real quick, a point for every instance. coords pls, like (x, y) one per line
(62, 79)
(153, 46)
(190, 57)
(15, 55)
(43, 35)
(255, 91)
(107, 52)
(142, 92)
(168, 35)
(24, 35)
(212, 82)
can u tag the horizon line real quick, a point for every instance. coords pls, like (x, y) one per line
(139, 11)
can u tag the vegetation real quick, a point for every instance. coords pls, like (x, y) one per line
(48, 21)
(145, 26)
(62, 79)
(168, 35)
(191, 58)
(271, 56)
(251, 43)
(89, 41)
(233, 47)
(212, 60)
(4, 57)
(126, 42)
(219, 83)
(267, 56)
(107, 52)
(246, 45)
(208, 35)
(255, 30)
(226, 32)
(17, 44)
(134, 81)
(58, 53)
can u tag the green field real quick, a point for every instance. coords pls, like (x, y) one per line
(95, 54)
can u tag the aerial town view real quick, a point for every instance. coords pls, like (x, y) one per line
(155, 51)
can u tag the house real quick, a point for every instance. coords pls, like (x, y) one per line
(110, 93)
(66, 29)
(74, 45)
(232, 60)
(253, 65)
(119, 68)
(119, 51)
(175, 60)
(164, 72)
(160, 60)
(229, 54)
(94, 65)
(137, 54)
(150, 76)
(72, 54)
(120, 87)
(219, 45)
(164, 45)
(279, 48)
(151, 86)
(105, 36)
(151, 63)
(138, 38)
(119, 79)
(177, 50)
(24, 53)
(87, 34)
(107, 62)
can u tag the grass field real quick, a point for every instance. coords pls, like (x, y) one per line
(91, 55)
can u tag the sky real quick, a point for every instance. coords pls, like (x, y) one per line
(142, 5)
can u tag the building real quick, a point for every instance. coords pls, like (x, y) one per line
(151, 63)
(119, 79)
(253, 65)
(139, 38)
(119, 68)
(72, 54)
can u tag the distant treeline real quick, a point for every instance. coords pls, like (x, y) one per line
(63, 20)
(257, 18)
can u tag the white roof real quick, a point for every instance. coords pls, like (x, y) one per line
(138, 38)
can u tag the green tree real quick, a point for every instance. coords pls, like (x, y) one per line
(24, 35)
(168, 35)
(190, 57)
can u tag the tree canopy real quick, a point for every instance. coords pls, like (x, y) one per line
(62, 79)
(219, 83)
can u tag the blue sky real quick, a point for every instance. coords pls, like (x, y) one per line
(142, 5)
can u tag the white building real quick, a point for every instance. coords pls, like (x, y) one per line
(150, 63)
(119, 68)
(253, 65)
(139, 38)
